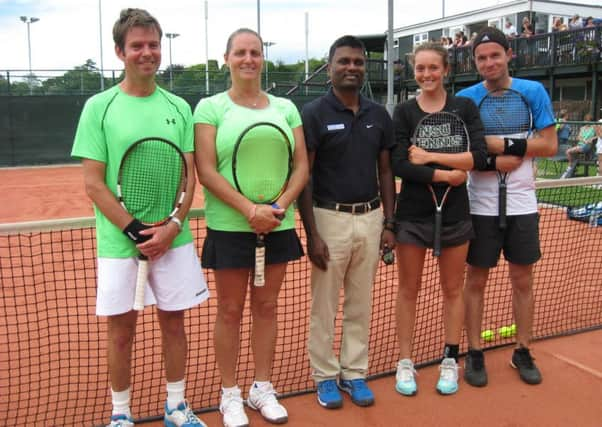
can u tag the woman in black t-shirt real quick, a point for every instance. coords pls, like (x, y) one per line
(415, 212)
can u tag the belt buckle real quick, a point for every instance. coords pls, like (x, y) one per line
(353, 209)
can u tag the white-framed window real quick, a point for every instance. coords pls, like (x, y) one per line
(420, 38)
(496, 23)
(454, 30)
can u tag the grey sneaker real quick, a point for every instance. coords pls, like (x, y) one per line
(522, 360)
(475, 373)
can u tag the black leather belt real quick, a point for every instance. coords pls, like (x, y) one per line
(352, 208)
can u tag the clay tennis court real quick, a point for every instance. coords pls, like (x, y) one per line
(52, 352)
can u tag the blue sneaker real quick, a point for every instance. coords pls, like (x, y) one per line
(182, 416)
(328, 394)
(121, 420)
(404, 378)
(448, 379)
(360, 394)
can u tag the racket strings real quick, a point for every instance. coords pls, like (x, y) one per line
(505, 113)
(151, 180)
(441, 133)
(262, 164)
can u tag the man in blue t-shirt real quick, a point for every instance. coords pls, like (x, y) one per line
(520, 238)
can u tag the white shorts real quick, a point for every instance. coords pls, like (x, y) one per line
(175, 282)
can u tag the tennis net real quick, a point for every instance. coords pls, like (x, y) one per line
(52, 346)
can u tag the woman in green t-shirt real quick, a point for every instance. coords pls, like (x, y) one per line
(233, 221)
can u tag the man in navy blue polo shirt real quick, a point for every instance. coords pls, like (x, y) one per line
(348, 139)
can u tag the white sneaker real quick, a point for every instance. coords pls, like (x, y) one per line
(263, 399)
(448, 378)
(405, 383)
(182, 416)
(232, 410)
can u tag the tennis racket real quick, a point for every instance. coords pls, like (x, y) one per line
(151, 187)
(441, 132)
(505, 113)
(262, 162)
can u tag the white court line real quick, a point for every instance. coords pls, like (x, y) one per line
(578, 365)
(52, 166)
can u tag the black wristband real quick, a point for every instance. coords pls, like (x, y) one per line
(515, 146)
(133, 229)
(491, 159)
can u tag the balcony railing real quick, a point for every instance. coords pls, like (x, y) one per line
(566, 48)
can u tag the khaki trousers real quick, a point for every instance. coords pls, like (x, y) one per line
(353, 243)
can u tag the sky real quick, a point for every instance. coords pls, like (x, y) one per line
(68, 34)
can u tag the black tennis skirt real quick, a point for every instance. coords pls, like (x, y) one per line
(236, 249)
(421, 233)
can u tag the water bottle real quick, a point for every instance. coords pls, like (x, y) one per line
(593, 220)
(595, 214)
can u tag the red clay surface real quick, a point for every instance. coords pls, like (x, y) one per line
(570, 394)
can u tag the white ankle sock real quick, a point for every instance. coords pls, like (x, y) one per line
(232, 389)
(260, 384)
(121, 402)
(175, 394)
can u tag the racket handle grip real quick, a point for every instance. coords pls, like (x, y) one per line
(141, 278)
(259, 278)
(502, 206)
(437, 233)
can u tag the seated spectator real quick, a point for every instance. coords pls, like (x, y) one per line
(558, 25)
(473, 36)
(575, 22)
(460, 39)
(599, 149)
(527, 31)
(509, 29)
(586, 139)
(563, 129)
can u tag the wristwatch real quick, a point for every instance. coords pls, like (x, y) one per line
(389, 224)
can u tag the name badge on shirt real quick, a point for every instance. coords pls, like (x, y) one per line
(339, 126)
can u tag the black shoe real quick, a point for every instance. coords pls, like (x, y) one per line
(522, 360)
(474, 368)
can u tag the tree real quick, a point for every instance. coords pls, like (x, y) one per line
(83, 79)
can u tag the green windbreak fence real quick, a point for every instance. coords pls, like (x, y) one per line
(39, 130)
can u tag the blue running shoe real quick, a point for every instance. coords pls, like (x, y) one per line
(121, 420)
(328, 394)
(404, 379)
(182, 416)
(360, 394)
(448, 379)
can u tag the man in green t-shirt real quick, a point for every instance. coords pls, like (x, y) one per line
(110, 122)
